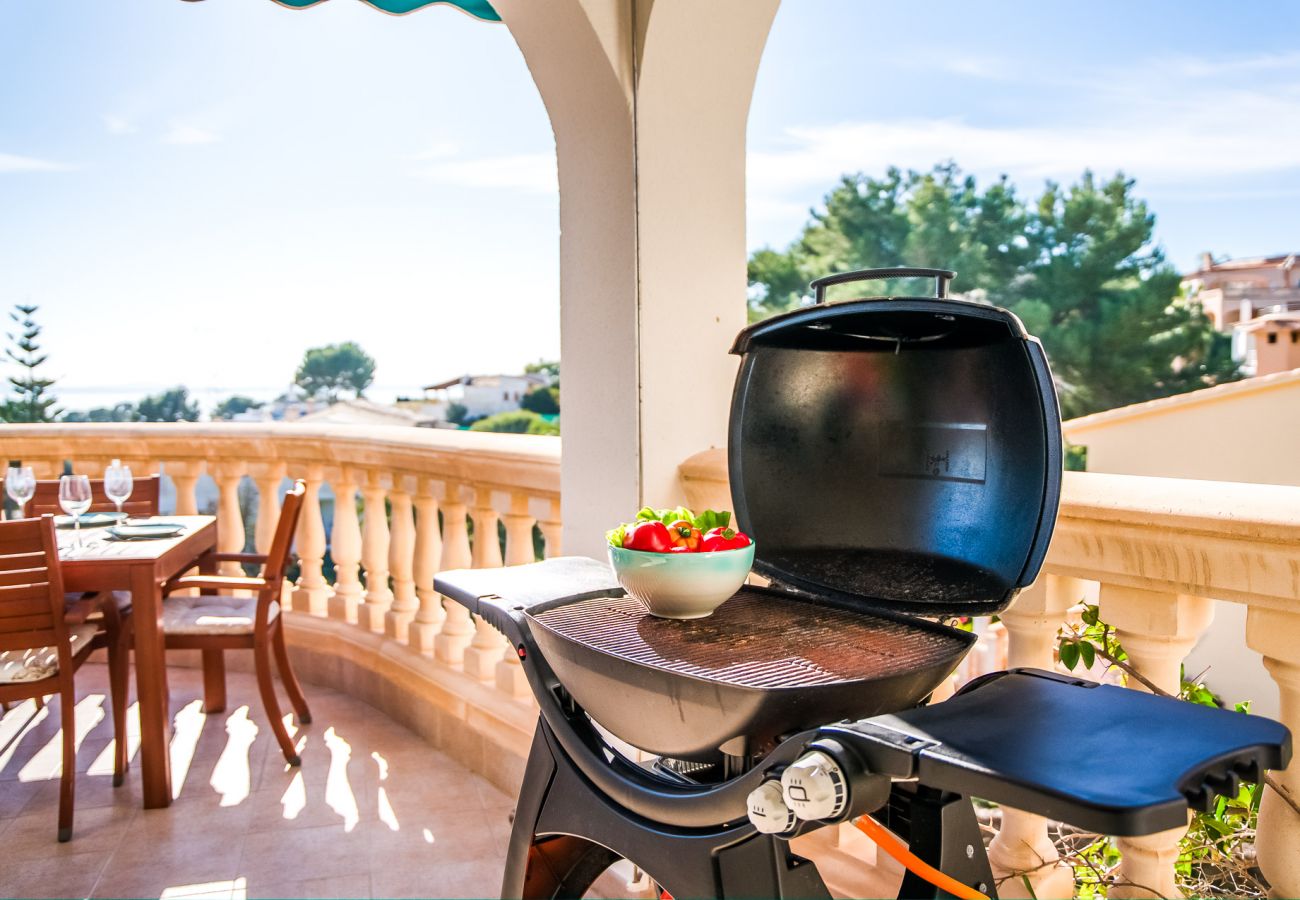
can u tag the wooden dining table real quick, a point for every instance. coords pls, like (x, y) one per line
(96, 562)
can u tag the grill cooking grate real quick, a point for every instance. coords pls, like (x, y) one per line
(756, 639)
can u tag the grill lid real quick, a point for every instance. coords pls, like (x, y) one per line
(902, 452)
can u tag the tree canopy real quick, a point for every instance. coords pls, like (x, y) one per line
(234, 405)
(1079, 266)
(173, 405)
(327, 371)
(519, 421)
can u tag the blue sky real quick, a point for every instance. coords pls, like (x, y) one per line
(197, 192)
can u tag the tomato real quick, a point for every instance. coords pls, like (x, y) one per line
(648, 537)
(684, 534)
(724, 539)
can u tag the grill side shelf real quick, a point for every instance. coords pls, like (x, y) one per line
(501, 595)
(1013, 738)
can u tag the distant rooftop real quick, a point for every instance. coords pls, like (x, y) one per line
(1210, 267)
(487, 380)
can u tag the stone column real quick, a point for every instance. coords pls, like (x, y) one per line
(401, 550)
(457, 628)
(552, 531)
(345, 548)
(311, 593)
(185, 476)
(1276, 635)
(428, 559)
(488, 645)
(1157, 630)
(374, 554)
(267, 476)
(1022, 843)
(230, 523)
(510, 675)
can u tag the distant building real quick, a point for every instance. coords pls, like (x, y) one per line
(481, 395)
(1257, 301)
(360, 411)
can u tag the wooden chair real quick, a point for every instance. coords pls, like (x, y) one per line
(214, 622)
(145, 495)
(40, 652)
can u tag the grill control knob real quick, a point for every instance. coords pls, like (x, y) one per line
(767, 810)
(815, 787)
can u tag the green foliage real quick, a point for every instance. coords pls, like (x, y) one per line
(548, 367)
(173, 405)
(327, 371)
(516, 422)
(1076, 458)
(544, 401)
(1079, 266)
(1216, 856)
(234, 405)
(121, 412)
(33, 401)
(457, 414)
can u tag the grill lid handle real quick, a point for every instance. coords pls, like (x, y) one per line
(942, 278)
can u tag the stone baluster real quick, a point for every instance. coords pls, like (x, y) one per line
(185, 477)
(401, 552)
(374, 553)
(510, 675)
(488, 645)
(345, 548)
(267, 475)
(1157, 630)
(230, 522)
(1022, 844)
(457, 627)
(428, 559)
(552, 528)
(1276, 635)
(311, 593)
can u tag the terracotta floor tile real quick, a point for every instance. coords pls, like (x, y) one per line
(69, 875)
(373, 807)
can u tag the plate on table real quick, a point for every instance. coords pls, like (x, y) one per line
(146, 531)
(90, 520)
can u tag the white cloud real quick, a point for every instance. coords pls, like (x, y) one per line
(118, 125)
(531, 172)
(441, 149)
(187, 134)
(12, 163)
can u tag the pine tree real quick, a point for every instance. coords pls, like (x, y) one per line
(32, 401)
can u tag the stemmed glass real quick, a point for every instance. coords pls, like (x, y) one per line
(20, 482)
(74, 497)
(118, 484)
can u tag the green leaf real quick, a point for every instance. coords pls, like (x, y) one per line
(1069, 654)
(646, 514)
(615, 536)
(1087, 653)
(712, 518)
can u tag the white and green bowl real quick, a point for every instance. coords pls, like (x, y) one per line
(681, 585)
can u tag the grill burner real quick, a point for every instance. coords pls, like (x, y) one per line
(755, 640)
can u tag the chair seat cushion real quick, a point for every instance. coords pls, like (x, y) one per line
(212, 614)
(33, 665)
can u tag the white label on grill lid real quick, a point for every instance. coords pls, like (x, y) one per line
(948, 451)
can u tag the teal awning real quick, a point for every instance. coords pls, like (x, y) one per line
(479, 9)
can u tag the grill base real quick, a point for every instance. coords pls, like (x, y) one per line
(765, 664)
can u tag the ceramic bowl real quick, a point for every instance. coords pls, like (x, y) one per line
(681, 585)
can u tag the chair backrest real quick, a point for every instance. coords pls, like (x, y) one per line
(145, 493)
(277, 558)
(31, 588)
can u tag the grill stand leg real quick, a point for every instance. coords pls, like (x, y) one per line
(941, 829)
(566, 834)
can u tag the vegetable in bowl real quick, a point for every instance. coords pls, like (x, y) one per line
(678, 531)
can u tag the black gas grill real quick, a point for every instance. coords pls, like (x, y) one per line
(896, 460)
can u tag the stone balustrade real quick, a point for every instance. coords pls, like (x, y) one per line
(405, 503)
(1151, 552)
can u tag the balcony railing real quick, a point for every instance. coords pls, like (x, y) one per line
(1149, 551)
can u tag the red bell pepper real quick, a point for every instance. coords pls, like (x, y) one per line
(648, 537)
(724, 539)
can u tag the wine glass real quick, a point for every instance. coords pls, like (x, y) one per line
(20, 482)
(74, 497)
(118, 484)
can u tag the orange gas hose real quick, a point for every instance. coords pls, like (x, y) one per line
(886, 841)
